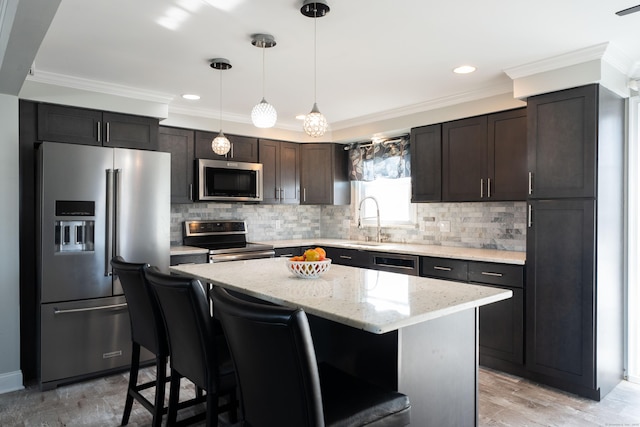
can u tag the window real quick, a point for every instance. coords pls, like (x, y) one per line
(394, 199)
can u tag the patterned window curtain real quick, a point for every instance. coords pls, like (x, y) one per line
(388, 159)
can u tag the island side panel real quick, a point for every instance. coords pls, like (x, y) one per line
(438, 370)
(373, 357)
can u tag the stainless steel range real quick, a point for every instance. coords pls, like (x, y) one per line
(225, 240)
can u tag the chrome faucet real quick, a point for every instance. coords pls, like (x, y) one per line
(377, 215)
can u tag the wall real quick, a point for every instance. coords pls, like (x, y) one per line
(495, 225)
(10, 374)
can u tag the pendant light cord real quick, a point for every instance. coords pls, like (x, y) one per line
(315, 54)
(263, 75)
(220, 107)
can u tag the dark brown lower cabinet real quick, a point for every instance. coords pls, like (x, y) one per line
(573, 341)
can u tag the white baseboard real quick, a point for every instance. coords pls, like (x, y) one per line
(634, 379)
(11, 381)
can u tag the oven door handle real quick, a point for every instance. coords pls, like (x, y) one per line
(241, 256)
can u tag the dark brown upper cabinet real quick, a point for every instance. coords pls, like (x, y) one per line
(243, 148)
(464, 160)
(59, 123)
(426, 164)
(562, 143)
(484, 158)
(280, 171)
(324, 176)
(180, 143)
(507, 156)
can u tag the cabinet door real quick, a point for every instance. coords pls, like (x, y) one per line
(179, 142)
(269, 155)
(562, 136)
(243, 149)
(290, 173)
(464, 160)
(125, 131)
(507, 157)
(560, 290)
(501, 328)
(67, 124)
(316, 174)
(426, 164)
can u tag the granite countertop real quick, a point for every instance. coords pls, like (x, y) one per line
(471, 254)
(187, 250)
(375, 301)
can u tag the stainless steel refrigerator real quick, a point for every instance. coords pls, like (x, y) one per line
(94, 203)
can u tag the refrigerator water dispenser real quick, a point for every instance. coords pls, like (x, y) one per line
(74, 236)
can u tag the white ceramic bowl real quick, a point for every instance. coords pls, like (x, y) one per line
(308, 269)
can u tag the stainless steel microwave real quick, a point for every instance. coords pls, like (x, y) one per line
(224, 180)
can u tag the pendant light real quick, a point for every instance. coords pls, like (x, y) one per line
(315, 124)
(220, 144)
(263, 115)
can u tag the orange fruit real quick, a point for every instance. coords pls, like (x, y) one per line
(311, 255)
(322, 252)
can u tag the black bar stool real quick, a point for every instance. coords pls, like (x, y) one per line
(198, 351)
(280, 381)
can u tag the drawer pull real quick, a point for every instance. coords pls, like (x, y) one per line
(488, 273)
(81, 310)
(345, 257)
(436, 267)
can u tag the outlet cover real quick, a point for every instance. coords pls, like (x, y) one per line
(444, 226)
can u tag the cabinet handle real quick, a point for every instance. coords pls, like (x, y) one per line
(107, 138)
(530, 183)
(277, 193)
(304, 194)
(99, 132)
(282, 195)
(437, 267)
(481, 188)
(488, 273)
(530, 215)
(191, 192)
(488, 188)
(345, 257)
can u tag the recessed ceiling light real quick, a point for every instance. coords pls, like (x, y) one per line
(464, 69)
(301, 116)
(191, 97)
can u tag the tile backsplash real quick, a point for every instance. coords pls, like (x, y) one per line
(490, 225)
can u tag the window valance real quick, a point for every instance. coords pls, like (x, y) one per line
(388, 159)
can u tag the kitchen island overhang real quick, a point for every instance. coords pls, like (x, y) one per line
(414, 334)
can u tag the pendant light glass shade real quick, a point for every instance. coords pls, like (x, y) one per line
(264, 115)
(220, 144)
(315, 124)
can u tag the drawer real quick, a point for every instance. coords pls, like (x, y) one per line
(289, 251)
(202, 258)
(496, 274)
(443, 268)
(350, 257)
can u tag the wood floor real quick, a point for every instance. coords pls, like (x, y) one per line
(504, 401)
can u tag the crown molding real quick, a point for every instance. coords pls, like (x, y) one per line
(80, 83)
(559, 61)
(227, 117)
(446, 101)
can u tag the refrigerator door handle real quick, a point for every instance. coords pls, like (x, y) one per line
(80, 310)
(116, 212)
(108, 249)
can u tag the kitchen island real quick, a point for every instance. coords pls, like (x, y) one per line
(414, 334)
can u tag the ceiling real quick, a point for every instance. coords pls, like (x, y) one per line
(374, 57)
